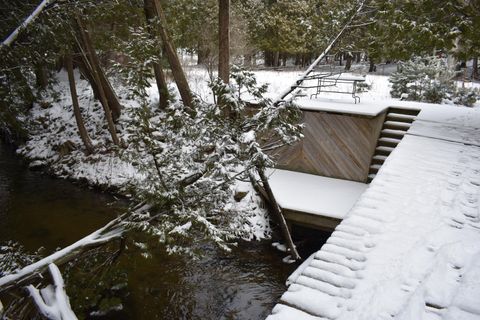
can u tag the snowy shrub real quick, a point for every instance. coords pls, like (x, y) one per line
(465, 96)
(191, 160)
(422, 79)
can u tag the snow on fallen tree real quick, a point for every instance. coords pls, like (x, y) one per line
(300, 80)
(52, 301)
(113, 230)
(9, 40)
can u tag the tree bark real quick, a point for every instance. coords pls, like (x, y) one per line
(276, 59)
(94, 64)
(372, 65)
(41, 76)
(278, 215)
(76, 108)
(224, 40)
(348, 62)
(475, 68)
(177, 70)
(157, 68)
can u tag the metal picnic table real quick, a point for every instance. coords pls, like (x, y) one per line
(333, 80)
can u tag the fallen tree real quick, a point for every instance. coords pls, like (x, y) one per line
(113, 230)
(325, 52)
(52, 301)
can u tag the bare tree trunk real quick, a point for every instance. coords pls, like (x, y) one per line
(177, 70)
(157, 68)
(110, 94)
(278, 215)
(475, 68)
(94, 64)
(348, 63)
(41, 76)
(224, 40)
(76, 108)
(372, 65)
(276, 58)
(247, 59)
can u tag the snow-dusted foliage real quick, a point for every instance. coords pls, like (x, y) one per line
(192, 161)
(13, 257)
(191, 164)
(429, 80)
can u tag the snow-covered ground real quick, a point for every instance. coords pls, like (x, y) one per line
(54, 144)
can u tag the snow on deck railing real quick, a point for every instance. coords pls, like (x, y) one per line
(299, 81)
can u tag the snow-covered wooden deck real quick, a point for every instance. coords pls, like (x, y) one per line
(314, 201)
(410, 246)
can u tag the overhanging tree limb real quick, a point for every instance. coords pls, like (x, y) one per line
(300, 80)
(9, 40)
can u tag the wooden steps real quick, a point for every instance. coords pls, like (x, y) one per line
(397, 122)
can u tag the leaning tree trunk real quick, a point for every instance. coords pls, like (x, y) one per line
(278, 215)
(171, 52)
(76, 108)
(93, 68)
(224, 40)
(157, 68)
(93, 62)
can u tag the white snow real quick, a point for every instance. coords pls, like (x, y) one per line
(314, 194)
(410, 247)
(52, 301)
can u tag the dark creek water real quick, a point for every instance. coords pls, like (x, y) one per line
(40, 211)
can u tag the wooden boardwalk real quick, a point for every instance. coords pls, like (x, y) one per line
(410, 247)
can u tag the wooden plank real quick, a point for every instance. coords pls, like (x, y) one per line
(311, 221)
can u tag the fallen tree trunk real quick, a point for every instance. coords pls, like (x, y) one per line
(300, 80)
(110, 231)
(9, 40)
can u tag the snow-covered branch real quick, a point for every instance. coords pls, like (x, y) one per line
(113, 230)
(52, 301)
(8, 41)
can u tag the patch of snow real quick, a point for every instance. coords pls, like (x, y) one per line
(314, 194)
(279, 246)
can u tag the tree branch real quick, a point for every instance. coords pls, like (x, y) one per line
(8, 41)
